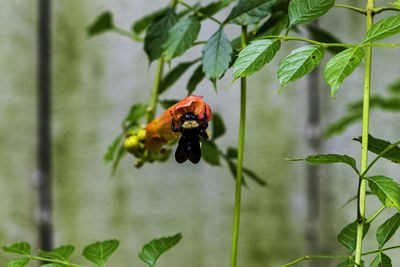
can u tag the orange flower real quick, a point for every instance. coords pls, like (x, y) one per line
(159, 133)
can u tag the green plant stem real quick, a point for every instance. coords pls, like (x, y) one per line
(315, 257)
(122, 32)
(378, 157)
(199, 13)
(63, 263)
(375, 215)
(386, 8)
(364, 151)
(151, 111)
(238, 192)
(359, 10)
(380, 250)
(325, 45)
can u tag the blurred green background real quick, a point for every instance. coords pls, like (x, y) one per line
(96, 80)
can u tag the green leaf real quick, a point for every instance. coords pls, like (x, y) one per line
(348, 236)
(341, 66)
(329, 159)
(252, 175)
(18, 262)
(383, 29)
(53, 265)
(299, 63)
(396, 4)
(22, 248)
(153, 250)
(120, 153)
(173, 75)
(377, 146)
(136, 112)
(62, 253)
(157, 34)
(274, 25)
(144, 22)
(302, 11)
(108, 157)
(350, 263)
(216, 55)
(341, 125)
(166, 103)
(181, 37)
(321, 35)
(195, 79)
(104, 22)
(218, 126)
(210, 152)
(213, 8)
(387, 190)
(99, 252)
(247, 12)
(394, 87)
(387, 229)
(232, 152)
(381, 260)
(254, 56)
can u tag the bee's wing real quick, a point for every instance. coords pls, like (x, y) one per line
(194, 153)
(181, 153)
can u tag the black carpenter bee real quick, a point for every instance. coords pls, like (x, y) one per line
(189, 144)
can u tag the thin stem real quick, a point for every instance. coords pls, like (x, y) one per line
(63, 263)
(359, 10)
(199, 13)
(122, 32)
(325, 45)
(199, 43)
(375, 215)
(364, 151)
(378, 157)
(315, 257)
(379, 250)
(238, 192)
(151, 111)
(381, 9)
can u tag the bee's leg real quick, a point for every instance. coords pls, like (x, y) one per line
(203, 133)
(173, 124)
(205, 121)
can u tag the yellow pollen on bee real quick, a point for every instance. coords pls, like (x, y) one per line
(190, 124)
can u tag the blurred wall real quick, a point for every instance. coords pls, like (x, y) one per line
(95, 81)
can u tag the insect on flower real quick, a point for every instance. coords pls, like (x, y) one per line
(189, 119)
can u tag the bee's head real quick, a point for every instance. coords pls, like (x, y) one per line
(188, 117)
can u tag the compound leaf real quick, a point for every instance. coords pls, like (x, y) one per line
(216, 55)
(348, 236)
(22, 248)
(195, 79)
(104, 22)
(381, 260)
(254, 56)
(377, 146)
(20, 262)
(299, 63)
(321, 35)
(387, 229)
(157, 34)
(173, 75)
(62, 253)
(218, 126)
(181, 37)
(384, 28)
(99, 252)
(341, 66)
(329, 159)
(387, 190)
(302, 11)
(153, 250)
(247, 12)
